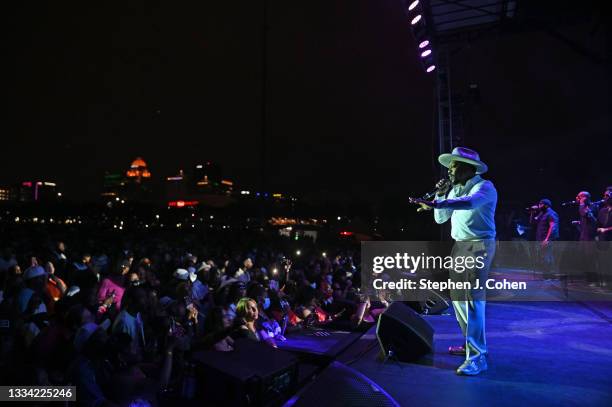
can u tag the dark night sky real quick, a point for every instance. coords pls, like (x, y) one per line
(350, 112)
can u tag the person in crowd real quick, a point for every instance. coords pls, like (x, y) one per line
(244, 273)
(604, 217)
(247, 313)
(90, 371)
(60, 259)
(7, 260)
(587, 228)
(604, 237)
(218, 329)
(587, 223)
(84, 277)
(113, 287)
(55, 287)
(268, 327)
(546, 222)
(234, 293)
(130, 320)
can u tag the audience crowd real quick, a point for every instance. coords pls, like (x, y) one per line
(120, 317)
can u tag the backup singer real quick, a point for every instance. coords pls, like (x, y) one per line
(546, 221)
(469, 202)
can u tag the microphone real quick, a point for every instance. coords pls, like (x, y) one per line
(532, 208)
(431, 194)
(568, 203)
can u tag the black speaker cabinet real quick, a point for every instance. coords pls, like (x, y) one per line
(404, 334)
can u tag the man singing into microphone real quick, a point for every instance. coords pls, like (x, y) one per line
(469, 202)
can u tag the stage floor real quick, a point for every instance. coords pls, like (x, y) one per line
(540, 354)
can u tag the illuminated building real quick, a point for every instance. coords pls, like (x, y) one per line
(138, 171)
(38, 191)
(206, 175)
(176, 186)
(5, 194)
(203, 184)
(132, 186)
(207, 179)
(113, 185)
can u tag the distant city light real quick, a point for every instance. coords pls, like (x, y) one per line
(324, 254)
(413, 5)
(274, 270)
(59, 194)
(298, 252)
(156, 216)
(339, 217)
(416, 19)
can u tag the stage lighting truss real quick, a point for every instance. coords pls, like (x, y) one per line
(423, 37)
(435, 23)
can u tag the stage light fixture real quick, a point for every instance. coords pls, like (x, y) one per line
(413, 5)
(426, 53)
(423, 44)
(416, 19)
(430, 68)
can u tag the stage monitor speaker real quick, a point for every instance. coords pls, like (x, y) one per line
(432, 303)
(253, 374)
(340, 385)
(403, 334)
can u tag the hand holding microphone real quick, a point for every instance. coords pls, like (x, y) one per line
(443, 186)
(426, 203)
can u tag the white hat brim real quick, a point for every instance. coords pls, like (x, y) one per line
(447, 159)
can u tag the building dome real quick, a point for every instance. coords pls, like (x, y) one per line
(138, 169)
(138, 163)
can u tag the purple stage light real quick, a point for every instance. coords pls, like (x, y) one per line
(431, 68)
(413, 5)
(416, 19)
(423, 44)
(426, 53)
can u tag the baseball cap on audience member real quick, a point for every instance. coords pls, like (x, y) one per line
(182, 274)
(204, 266)
(33, 272)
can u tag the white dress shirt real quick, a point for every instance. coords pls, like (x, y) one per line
(471, 209)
